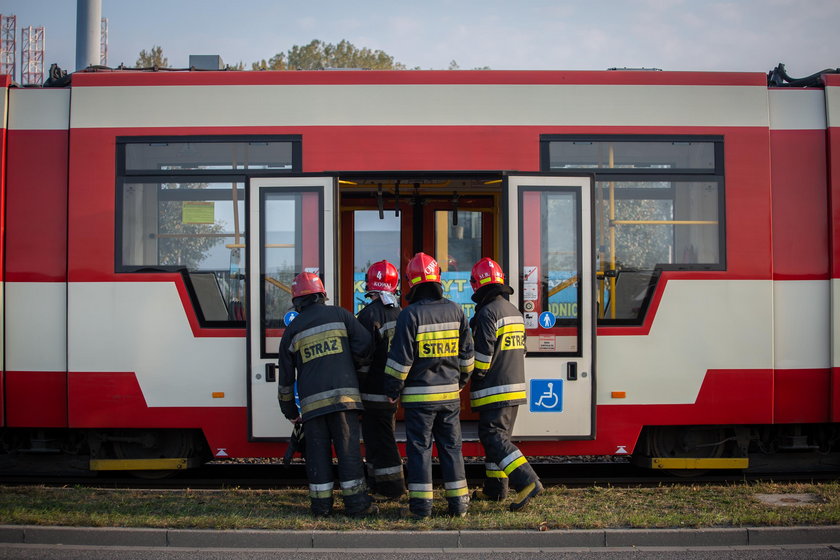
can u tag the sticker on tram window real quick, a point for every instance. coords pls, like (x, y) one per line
(529, 291)
(547, 319)
(529, 275)
(546, 395)
(531, 320)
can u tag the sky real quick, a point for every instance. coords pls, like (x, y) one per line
(681, 35)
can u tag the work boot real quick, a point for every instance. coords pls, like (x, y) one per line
(372, 509)
(421, 507)
(457, 506)
(482, 496)
(406, 513)
(321, 507)
(521, 499)
(380, 498)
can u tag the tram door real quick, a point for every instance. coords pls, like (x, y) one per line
(291, 225)
(551, 267)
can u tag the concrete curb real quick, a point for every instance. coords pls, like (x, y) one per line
(431, 540)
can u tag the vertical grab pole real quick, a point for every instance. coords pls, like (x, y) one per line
(612, 237)
(602, 262)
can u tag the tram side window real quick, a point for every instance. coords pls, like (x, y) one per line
(658, 206)
(197, 228)
(181, 208)
(168, 155)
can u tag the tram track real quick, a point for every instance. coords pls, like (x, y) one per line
(242, 475)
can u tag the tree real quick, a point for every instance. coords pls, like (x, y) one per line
(276, 62)
(153, 58)
(318, 55)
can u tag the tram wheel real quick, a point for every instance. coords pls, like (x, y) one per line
(153, 444)
(692, 442)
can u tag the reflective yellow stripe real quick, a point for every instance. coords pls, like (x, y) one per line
(414, 280)
(339, 399)
(515, 464)
(421, 495)
(516, 328)
(317, 337)
(482, 365)
(434, 335)
(430, 397)
(394, 373)
(498, 398)
(495, 474)
(320, 493)
(463, 491)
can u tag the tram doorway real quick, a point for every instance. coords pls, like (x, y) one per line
(453, 220)
(538, 227)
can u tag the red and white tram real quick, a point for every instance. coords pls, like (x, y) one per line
(673, 239)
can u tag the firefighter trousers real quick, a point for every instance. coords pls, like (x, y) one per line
(503, 460)
(441, 423)
(339, 430)
(381, 451)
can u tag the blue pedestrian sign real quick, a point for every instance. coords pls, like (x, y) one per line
(289, 317)
(546, 395)
(547, 319)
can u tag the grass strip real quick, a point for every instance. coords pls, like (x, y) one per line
(666, 506)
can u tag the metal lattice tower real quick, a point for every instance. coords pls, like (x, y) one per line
(32, 55)
(8, 26)
(103, 42)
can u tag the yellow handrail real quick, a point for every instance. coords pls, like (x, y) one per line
(562, 285)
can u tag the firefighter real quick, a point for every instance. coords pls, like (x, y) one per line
(498, 386)
(379, 317)
(322, 349)
(430, 361)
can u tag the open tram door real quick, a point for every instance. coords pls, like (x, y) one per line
(550, 261)
(291, 225)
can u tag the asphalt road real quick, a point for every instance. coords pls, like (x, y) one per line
(68, 552)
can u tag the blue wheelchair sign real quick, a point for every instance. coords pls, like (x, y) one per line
(546, 395)
(289, 317)
(547, 319)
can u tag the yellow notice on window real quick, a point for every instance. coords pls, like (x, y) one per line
(195, 212)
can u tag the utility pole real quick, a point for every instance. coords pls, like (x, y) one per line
(103, 42)
(32, 55)
(8, 47)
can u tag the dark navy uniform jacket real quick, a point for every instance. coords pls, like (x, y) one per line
(322, 350)
(499, 335)
(431, 356)
(380, 320)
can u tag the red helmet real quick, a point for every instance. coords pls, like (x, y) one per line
(307, 283)
(486, 271)
(421, 268)
(382, 277)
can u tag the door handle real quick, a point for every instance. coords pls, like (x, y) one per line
(270, 372)
(571, 371)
